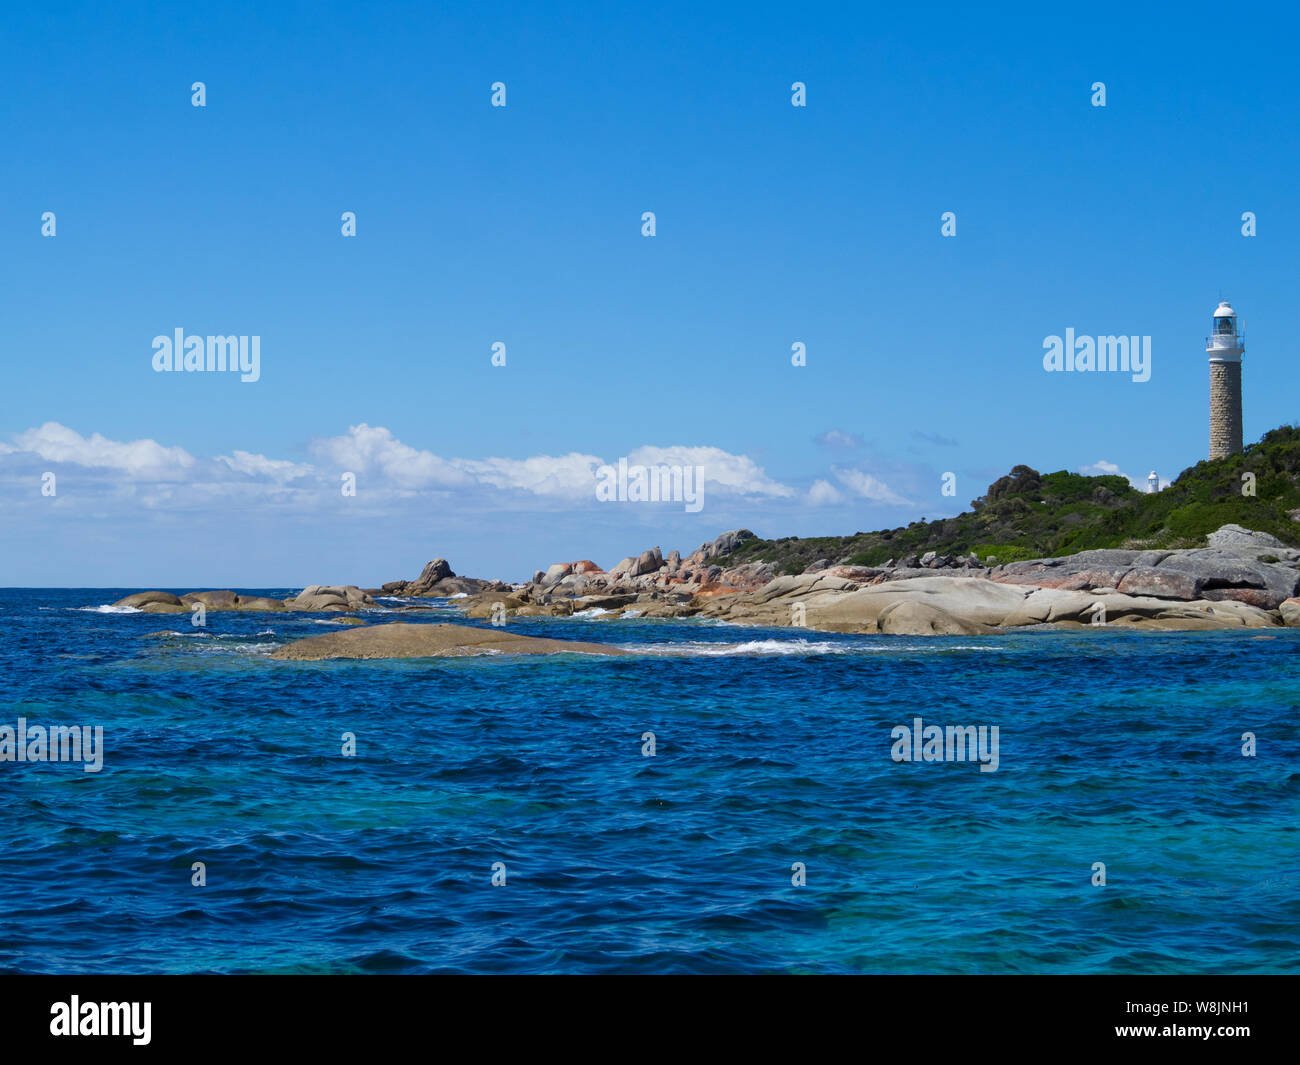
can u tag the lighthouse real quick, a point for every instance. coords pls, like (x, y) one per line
(1225, 346)
(1153, 482)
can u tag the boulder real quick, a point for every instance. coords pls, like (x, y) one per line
(970, 599)
(1256, 597)
(329, 598)
(624, 568)
(1234, 536)
(142, 599)
(648, 562)
(1088, 569)
(450, 586)
(603, 602)
(666, 608)
(555, 573)
(938, 603)
(163, 608)
(573, 584)
(723, 545)
(260, 604)
(857, 573)
(1220, 569)
(223, 600)
(561, 608)
(433, 572)
(749, 577)
(486, 606)
(1163, 583)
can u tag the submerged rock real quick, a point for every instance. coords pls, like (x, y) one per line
(402, 640)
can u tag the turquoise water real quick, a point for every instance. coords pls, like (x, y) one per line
(772, 747)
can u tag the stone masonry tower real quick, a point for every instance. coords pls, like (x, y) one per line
(1225, 346)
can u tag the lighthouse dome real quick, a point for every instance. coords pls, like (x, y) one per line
(1224, 310)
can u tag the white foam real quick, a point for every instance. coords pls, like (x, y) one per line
(751, 647)
(593, 612)
(109, 608)
(241, 649)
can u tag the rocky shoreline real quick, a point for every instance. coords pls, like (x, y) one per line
(437, 581)
(1240, 579)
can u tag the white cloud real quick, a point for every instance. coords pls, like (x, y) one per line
(281, 471)
(1100, 467)
(838, 438)
(868, 487)
(363, 449)
(823, 493)
(139, 459)
(731, 473)
(389, 470)
(571, 476)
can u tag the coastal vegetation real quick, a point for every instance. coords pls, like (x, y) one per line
(1027, 514)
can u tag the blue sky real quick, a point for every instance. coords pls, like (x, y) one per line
(522, 224)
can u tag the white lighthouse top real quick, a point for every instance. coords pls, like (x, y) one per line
(1228, 340)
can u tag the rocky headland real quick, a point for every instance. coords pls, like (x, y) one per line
(1239, 579)
(1060, 550)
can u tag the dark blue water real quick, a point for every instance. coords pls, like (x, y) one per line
(773, 747)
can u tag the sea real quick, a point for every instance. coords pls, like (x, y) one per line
(725, 800)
